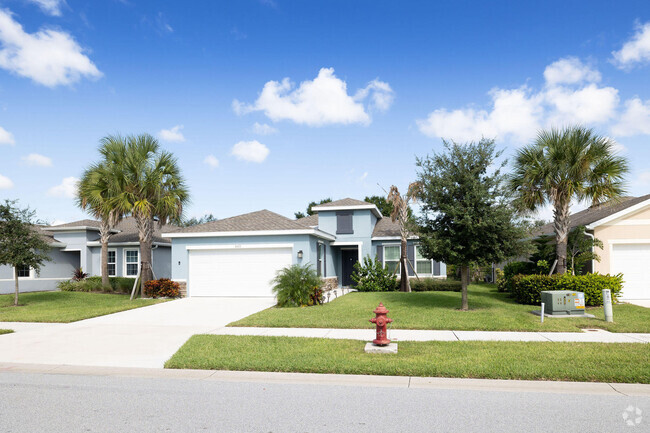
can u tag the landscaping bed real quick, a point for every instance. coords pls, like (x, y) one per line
(64, 307)
(585, 362)
(489, 311)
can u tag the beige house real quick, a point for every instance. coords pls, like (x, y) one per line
(624, 229)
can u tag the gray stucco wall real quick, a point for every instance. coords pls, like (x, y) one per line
(439, 269)
(60, 268)
(78, 241)
(362, 224)
(162, 262)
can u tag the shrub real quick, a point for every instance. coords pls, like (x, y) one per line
(78, 274)
(94, 284)
(526, 289)
(371, 276)
(435, 285)
(162, 288)
(297, 286)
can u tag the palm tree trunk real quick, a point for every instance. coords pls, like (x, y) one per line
(145, 227)
(464, 282)
(104, 234)
(16, 286)
(404, 285)
(561, 225)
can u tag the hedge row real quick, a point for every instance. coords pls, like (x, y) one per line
(94, 284)
(526, 289)
(434, 285)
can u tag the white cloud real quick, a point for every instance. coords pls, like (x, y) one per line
(38, 160)
(212, 161)
(6, 137)
(381, 94)
(5, 182)
(635, 119)
(174, 134)
(570, 95)
(67, 188)
(321, 101)
(636, 50)
(49, 57)
(644, 178)
(51, 7)
(570, 70)
(252, 151)
(263, 129)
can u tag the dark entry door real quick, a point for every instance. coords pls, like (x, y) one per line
(349, 258)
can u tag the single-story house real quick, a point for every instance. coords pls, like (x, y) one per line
(76, 245)
(239, 256)
(624, 228)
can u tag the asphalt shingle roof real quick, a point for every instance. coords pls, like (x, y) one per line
(386, 227)
(596, 213)
(129, 232)
(345, 202)
(253, 221)
(309, 221)
(80, 223)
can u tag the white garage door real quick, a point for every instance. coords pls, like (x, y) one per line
(633, 261)
(235, 272)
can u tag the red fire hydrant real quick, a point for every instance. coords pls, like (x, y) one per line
(381, 321)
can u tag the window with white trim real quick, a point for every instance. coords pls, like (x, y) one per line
(23, 271)
(321, 259)
(391, 258)
(132, 260)
(423, 265)
(112, 263)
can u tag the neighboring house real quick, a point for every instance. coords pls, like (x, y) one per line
(239, 256)
(76, 245)
(624, 228)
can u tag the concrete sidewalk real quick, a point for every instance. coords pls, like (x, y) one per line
(587, 336)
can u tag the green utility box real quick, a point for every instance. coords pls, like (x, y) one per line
(563, 303)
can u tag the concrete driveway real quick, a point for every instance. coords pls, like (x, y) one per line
(144, 337)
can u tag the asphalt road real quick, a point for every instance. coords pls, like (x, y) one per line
(66, 403)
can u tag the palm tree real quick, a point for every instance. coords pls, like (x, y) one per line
(400, 213)
(573, 163)
(94, 194)
(149, 187)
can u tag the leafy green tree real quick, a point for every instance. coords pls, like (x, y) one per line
(21, 243)
(573, 163)
(310, 212)
(194, 221)
(466, 213)
(148, 185)
(94, 195)
(580, 249)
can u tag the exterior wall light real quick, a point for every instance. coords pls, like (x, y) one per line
(300, 255)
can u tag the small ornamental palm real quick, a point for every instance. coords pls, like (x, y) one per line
(564, 165)
(294, 285)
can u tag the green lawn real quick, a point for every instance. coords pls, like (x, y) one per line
(586, 362)
(490, 311)
(65, 307)
(5, 331)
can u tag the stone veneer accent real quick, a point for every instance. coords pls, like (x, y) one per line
(183, 286)
(330, 283)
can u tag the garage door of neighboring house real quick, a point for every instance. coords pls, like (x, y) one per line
(236, 271)
(633, 261)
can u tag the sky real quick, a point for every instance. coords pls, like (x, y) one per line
(270, 104)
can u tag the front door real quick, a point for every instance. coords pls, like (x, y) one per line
(349, 258)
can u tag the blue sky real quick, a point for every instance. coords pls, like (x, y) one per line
(272, 104)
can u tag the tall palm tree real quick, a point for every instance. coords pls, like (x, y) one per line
(562, 165)
(94, 194)
(149, 187)
(400, 214)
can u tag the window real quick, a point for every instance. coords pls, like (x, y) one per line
(391, 258)
(344, 223)
(111, 263)
(132, 260)
(422, 264)
(23, 271)
(321, 259)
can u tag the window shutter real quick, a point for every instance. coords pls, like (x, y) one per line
(344, 223)
(410, 255)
